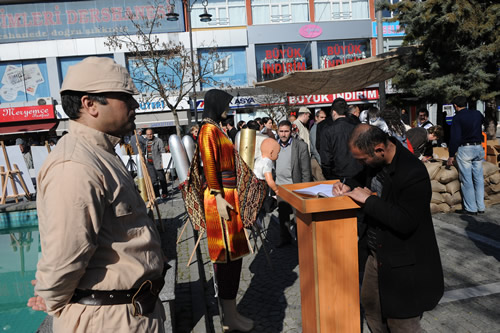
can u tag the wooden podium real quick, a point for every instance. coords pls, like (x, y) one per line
(328, 260)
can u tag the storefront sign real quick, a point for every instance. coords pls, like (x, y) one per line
(353, 96)
(238, 102)
(277, 60)
(24, 113)
(310, 31)
(334, 53)
(389, 29)
(158, 104)
(79, 19)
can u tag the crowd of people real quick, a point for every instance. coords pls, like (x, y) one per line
(101, 266)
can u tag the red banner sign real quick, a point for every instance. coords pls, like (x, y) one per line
(35, 112)
(353, 96)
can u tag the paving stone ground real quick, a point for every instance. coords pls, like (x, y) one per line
(270, 291)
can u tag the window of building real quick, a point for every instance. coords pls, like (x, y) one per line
(387, 13)
(332, 10)
(227, 66)
(279, 11)
(277, 60)
(170, 72)
(65, 62)
(23, 81)
(224, 13)
(334, 53)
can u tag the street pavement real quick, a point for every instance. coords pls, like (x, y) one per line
(270, 290)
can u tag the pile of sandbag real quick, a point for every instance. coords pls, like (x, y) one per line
(446, 195)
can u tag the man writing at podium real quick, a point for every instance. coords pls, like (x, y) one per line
(403, 274)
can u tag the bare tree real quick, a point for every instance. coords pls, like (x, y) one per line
(275, 104)
(162, 68)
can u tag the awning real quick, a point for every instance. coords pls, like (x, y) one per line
(347, 77)
(27, 127)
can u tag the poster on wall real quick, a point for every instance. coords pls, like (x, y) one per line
(224, 65)
(80, 19)
(23, 81)
(277, 60)
(334, 53)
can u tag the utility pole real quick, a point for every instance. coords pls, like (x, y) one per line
(380, 49)
(188, 16)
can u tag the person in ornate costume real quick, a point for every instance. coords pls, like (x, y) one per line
(227, 243)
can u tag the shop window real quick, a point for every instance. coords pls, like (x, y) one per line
(226, 66)
(334, 53)
(224, 13)
(277, 60)
(279, 11)
(387, 13)
(332, 10)
(170, 72)
(23, 81)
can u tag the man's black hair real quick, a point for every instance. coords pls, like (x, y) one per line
(340, 106)
(460, 101)
(285, 123)
(423, 110)
(367, 140)
(229, 120)
(71, 102)
(252, 124)
(259, 120)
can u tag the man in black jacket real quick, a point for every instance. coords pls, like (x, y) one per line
(336, 159)
(403, 274)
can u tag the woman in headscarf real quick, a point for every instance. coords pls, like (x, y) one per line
(227, 243)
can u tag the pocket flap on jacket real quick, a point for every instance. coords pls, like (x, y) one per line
(122, 208)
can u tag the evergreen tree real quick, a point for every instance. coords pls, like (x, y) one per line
(458, 49)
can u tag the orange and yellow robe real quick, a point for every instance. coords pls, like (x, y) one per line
(224, 237)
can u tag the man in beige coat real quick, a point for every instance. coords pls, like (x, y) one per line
(101, 265)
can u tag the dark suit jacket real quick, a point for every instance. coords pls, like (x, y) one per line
(410, 272)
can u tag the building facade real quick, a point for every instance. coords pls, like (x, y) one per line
(256, 40)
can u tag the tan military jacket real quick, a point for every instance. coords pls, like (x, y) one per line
(95, 234)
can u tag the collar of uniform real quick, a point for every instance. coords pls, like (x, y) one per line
(93, 136)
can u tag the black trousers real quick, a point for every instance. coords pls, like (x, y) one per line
(284, 211)
(157, 176)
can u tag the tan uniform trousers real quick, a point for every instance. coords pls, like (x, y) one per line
(80, 318)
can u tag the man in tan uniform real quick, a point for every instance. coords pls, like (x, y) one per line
(98, 244)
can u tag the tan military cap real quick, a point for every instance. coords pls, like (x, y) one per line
(98, 75)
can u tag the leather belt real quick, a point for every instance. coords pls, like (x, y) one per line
(471, 144)
(112, 297)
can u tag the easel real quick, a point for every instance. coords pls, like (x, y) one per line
(9, 175)
(150, 192)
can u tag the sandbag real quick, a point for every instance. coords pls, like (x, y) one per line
(489, 169)
(437, 198)
(445, 175)
(433, 168)
(495, 188)
(435, 208)
(453, 186)
(456, 207)
(446, 197)
(494, 178)
(437, 186)
(445, 208)
(452, 199)
(488, 190)
(494, 199)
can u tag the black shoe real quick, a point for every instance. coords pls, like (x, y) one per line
(463, 211)
(480, 211)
